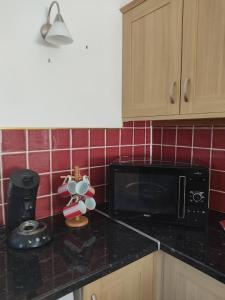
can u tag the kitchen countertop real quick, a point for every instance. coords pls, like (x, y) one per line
(202, 249)
(73, 259)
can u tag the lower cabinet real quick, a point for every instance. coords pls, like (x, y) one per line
(133, 282)
(176, 280)
(158, 276)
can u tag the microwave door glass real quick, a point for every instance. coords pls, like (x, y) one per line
(146, 193)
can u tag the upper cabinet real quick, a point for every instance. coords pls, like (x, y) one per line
(152, 42)
(203, 63)
(174, 59)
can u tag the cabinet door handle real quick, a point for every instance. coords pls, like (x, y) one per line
(186, 85)
(93, 297)
(172, 92)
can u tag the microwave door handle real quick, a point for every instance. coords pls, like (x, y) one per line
(181, 197)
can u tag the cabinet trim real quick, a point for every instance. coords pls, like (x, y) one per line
(131, 5)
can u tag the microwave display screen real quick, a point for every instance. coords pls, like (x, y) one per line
(147, 193)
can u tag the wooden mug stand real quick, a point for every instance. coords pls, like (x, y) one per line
(79, 221)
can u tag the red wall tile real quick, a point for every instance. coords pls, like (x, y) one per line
(217, 201)
(60, 138)
(60, 160)
(157, 135)
(112, 137)
(139, 151)
(218, 160)
(112, 154)
(80, 138)
(97, 176)
(139, 136)
(156, 152)
(126, 151)
(100, 194)
(43, 207)
(97, 157)
(202, 138)
(183, 155)
(184, 137)
(219, 138)
(97, 137)
(39, 162)
(44, 187)
(38, 140)
(13, 162)
(168, 153)
(80, 158)
(218, 181)
(1, 215)
(13, 140)
(201, 157)
(169, 136)
(126, 136)
(89, 159)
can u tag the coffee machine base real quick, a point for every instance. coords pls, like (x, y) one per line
(29, 234)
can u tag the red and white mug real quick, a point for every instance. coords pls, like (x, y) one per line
(67, 188)
(74, 210)
(85, 189)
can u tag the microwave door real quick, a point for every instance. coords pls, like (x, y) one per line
(181, 197)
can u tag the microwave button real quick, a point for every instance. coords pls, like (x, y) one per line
(197, 196)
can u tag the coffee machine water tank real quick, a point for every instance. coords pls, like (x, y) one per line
(22, 192)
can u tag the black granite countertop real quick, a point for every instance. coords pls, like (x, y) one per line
(202, 249)
(73, 259)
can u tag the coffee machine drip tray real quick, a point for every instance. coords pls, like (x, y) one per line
(29, 234)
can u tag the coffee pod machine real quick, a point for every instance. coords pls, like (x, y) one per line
(24, 231)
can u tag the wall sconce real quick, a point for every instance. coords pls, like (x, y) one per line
(56, 33)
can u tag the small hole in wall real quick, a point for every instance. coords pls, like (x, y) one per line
(86, 47)
(49, 60)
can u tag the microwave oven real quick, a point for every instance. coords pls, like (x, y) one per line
(171, 193)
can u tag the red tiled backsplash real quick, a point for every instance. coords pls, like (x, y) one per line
(54, 152)
(197, 142)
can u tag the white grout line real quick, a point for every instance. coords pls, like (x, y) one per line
(175, 158)
(210, 162)
(192, 143)
(27, 145)
(105, 158)
(161, 142)
(1, 181)
(71, 151)
(133, 141)
(151, 139)
(51, 183)
(130, 227)
(89, 152)
(218, 191)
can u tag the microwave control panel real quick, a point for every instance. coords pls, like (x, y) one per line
(197, 198)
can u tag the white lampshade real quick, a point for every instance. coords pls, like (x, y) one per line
(58, 33)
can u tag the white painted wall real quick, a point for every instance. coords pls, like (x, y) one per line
(80, 87)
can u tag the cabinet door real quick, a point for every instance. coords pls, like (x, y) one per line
(133, 282)
(152, 59)
(181, 281)
(203, 70)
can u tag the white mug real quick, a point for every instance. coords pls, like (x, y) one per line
(90, 203)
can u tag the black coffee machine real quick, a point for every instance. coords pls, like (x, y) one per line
(24, 231)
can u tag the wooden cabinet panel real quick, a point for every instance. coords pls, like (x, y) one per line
(152, 58)
(133, 282)
(180, 281)
(203, 57)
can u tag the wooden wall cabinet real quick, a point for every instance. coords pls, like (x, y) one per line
(133, 282)
(174, 59)
(176, 280)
